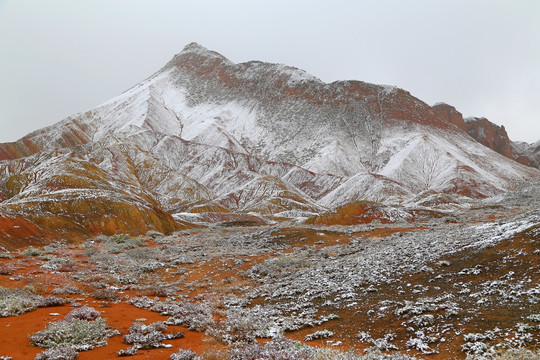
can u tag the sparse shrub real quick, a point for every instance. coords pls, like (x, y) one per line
(90, 250)
(143, 302)
(519, 354)
(51, 301)
(53, 248)
(419, 344)
(118, 238)
(154, 234)
(183, 354)
(150, 266)
(422, 320)
(79, 334)
(383, 344)
(6, 269)
(475, 348)
(214, 354)
(15, 302)
(146, 336)
(67, 290)
(97, 239)
(176, 335)
(321, 334)
(58, 353)
(279, 348)
(282, 348)
(106, 294)
(83, 313)
(364, 336)
(160, 290)
(131, 351)
(278, 266)
(235, 329)
(32, 251)
(375, 354)
(194, 316)
(121, 242)
(141, 254)
(473, 337)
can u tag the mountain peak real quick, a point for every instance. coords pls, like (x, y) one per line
(194, 54)
(195, 47)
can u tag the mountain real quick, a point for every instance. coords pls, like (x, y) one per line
(489, 134)
(531, 152)
(205, 135)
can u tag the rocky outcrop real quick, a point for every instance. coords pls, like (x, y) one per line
(449, 114)
(485, 132)
(489, 134)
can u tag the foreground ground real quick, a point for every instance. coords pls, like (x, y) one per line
(441, 289)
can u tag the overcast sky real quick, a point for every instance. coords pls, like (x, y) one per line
(59, 57)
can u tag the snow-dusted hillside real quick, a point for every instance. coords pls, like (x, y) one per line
(531, 151)
(205, 134)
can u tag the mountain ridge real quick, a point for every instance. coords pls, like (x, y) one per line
(270, 139)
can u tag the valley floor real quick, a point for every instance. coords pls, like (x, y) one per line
(431, 290)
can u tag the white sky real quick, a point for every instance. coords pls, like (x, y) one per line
(59, 57)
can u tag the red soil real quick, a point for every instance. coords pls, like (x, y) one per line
(220, 275)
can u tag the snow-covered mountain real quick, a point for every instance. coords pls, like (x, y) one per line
(531, 152)
(206, 135)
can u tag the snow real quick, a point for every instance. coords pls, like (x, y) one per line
(296, 76)
(397, 161)
(195, 48)
(135, 90)
(388, 89)
(504, 230)
(481, 134)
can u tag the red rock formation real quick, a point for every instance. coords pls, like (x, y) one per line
(490, 135)
(449, 114)
(484, 131)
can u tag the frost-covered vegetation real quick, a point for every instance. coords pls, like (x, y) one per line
(58, 353)
(388, 288)
(283, 348)
(18, 301)
(81, 329)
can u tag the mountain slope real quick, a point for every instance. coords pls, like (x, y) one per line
(204, 133)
